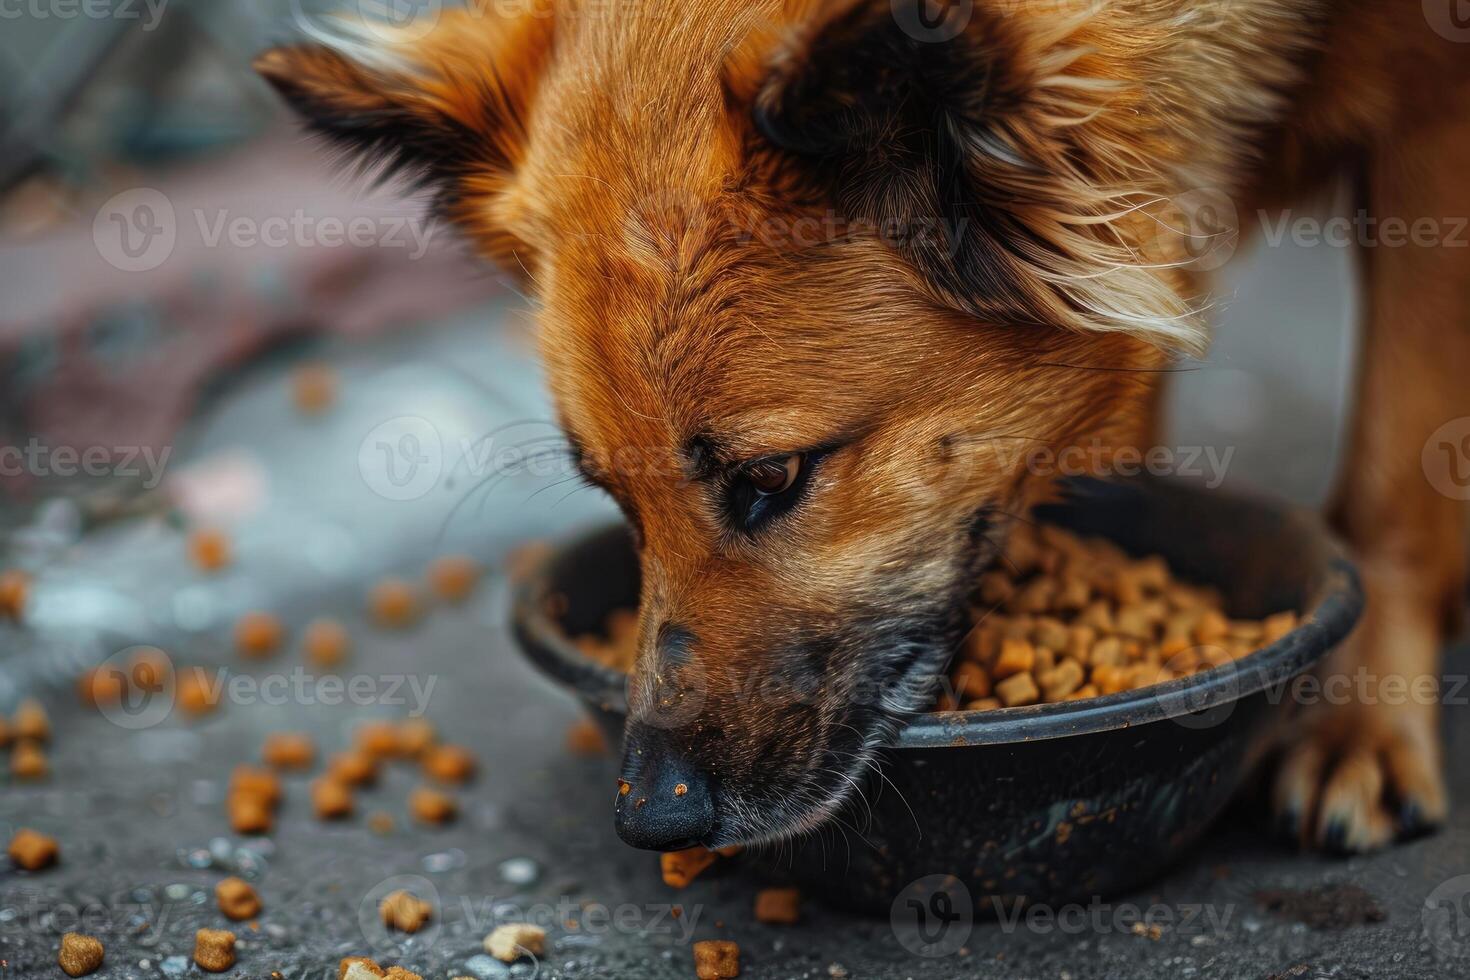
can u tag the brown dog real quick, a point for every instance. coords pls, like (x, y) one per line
(809, 272)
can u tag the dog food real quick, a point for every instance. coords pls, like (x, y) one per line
(619, 648)
(404, 911)
(194, 693)
(353, 768)
(149, 670)
(258, 635)
(399, 973)
(585, 738)
(681, 867)
(415, 736)
(449, 763)
(99, 687)
(778, 906)
(431, 806)
(394, 603)
(31, 721)
(214, 950)
(379, 739)
(28, 761)
(1065, 618)
(313, 388)
(288, 750)
(330, 799)
(326, 643)
(716, 959)
(236, 899)
(249, 815)
(454, 577)
(510, 942)
(253, 797)
(33, 850)
(15, 587)
(80, 955)
(357, 968)
(209, 549)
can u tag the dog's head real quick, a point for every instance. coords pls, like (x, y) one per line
(817, 291)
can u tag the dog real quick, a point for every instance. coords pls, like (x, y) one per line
(802, 268)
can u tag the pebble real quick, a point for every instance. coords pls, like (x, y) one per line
(175, 965)
(519, 871)
(486, 967)
(444, 861)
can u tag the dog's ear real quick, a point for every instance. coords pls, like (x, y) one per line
(971, 139)
(447, 109)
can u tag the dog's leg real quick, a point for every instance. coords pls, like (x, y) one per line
(1358, 773)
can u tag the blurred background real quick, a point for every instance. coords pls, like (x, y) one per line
(207, 325)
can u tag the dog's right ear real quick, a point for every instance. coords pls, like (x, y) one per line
(447, 110)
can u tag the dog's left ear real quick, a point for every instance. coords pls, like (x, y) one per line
(974, 141)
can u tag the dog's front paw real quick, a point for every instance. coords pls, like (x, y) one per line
(1355, 778)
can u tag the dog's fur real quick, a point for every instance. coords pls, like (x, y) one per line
(763, 228)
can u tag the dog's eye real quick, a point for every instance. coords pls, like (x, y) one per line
(772, 476)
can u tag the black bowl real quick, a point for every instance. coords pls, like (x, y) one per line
(1052, 803)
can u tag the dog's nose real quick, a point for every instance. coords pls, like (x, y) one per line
(664, 802)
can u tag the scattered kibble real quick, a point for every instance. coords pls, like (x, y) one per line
(214, 950)
(511, 941)
(254, 781)
(449, 763)
(379, 739)
(258, 635)
(209, 549)
(454, 577)
(288, 750)
(250, 815)
(431, 806)
(254, 795)
(416, 736)
(313, 388)
(149, 670)
(353, 768)
(31, 721)
(100, 687)
(363, 966)
(80, 955)
(394, 603)
(330, 799)
(681, 867)
(586, 738)
(33, 850)
(716, 959)
(237, 900)
(399, 973)
(778, 906)
(15, 587)
(326, 643)
(405, 911)
(28, 761)
(194, 694)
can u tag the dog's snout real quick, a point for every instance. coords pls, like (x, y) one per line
(665, 803)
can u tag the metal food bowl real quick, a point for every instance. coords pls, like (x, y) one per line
(1051, 803)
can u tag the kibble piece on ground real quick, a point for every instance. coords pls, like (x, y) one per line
(326, 643)
(80, 955)
(237, 900)
(432, 806)
(209, 549)
(101, 686)
(249, 815)
(214, 949)
(31, 721)
(28, 761)
(379, 739)
(330, 799)
(404, 911)
(353, 768)
(681, 867)
(586, 738)
(394, 603)
(149, 669)
(449, 763)
(258, 635)
(399, 973)
(416, 736)
(778, 906)
(313, 388)
(253, 781)
(33, 850)
(716, 959)
(510, 942)
(454, 577)
(15, 587)
(288, 750)
(195, 693)
(364, 967)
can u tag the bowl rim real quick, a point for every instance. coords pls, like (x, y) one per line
(1329, 616)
